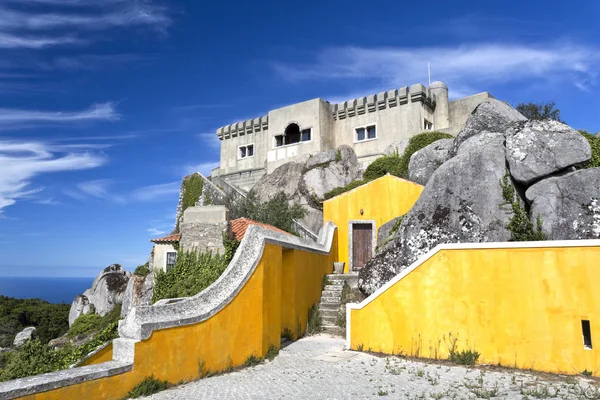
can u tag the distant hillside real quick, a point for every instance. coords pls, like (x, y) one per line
(50, 320)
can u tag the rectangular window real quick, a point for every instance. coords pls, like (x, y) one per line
(371, 132)
(171, 259)
(587, 334)
(246, 151)
(278, 140)
(306, 135)
(363, 133)
(292, 138)
(428, 126)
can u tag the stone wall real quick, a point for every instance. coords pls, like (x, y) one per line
(202, 228)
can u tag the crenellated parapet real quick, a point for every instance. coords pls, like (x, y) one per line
(243, 128)
(376, 102)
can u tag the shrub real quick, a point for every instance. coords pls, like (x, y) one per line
(91, 323)
(252, 360)
(277, 211)
(343, 189)
(383, 165)
(594, 141)
(272, 353)
(464, 357)
(520, 226)
(142, 270)
(192, 273)
(148, 386)
(314, 321)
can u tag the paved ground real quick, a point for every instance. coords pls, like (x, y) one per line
(318, 368)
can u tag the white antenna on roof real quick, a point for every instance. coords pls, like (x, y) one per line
(429, 72)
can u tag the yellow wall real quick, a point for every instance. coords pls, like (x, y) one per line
(381, 201)
(520, 307)
(102, 356)
(285, 284)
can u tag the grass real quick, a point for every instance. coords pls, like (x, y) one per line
(464, 357)
(272, 353)
(88, 324)
(288, 334)
(253, 360)
(148, 386)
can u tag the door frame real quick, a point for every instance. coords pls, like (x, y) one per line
(373, 224)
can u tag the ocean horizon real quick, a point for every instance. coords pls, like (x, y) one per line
(53, 290)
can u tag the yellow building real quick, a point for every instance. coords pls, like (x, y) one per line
(522, 304)
(359, 213)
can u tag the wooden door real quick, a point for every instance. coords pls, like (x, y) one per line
(362, 245)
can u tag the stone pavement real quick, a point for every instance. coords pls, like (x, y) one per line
(318, 368)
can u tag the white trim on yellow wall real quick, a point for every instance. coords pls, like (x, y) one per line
(460, 246)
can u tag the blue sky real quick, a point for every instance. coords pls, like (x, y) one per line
(104, 107)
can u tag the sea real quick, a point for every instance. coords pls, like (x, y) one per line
(53, 290)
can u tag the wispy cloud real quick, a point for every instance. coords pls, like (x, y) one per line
(97, 112)
(21, 162)
(210, 139)
(462, 67)
(103, 189)
(49, 202)
(38, 27)
(155, 231)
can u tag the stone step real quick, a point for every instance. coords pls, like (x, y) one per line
(331, 293)
(329, 313)
(333, 288)
(328, 320)
(340, 277)
(330, 300)
(329, 306)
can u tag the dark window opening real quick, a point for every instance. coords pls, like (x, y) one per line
(246, 151)
(250, 150)
(306, 135)
(360, 134)
(242, 152)
(292, 134)
(278, 140)
(587, 334)
(371, 134)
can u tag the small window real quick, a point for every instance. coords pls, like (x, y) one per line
(365, 133)
(371, 132)
(587, 334)
(306, 135)
(278, 140)
(292, 134)
(428, 126)
(246, 151)
(171, 259)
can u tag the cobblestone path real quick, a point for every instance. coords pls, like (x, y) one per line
(318, 368)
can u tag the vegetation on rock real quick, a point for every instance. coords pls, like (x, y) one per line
(539, 111)
(520, 226)
(36, 357)
(277, 211)
(142, 270)
(50, 320)
(594, 141)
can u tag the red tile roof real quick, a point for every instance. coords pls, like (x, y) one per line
(238, 227)
(171, 238)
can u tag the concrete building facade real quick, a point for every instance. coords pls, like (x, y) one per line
(253, 148)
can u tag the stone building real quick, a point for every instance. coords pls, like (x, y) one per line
(253, 148)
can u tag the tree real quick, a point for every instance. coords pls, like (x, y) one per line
(540, 111)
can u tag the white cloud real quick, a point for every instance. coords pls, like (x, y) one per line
(155, 232)
(35, 27)
(156, 192)
(461, 67)
(49, 202)
(102, 189)
(97, 112)
(210, 139)
(203, 168)
(21, 162)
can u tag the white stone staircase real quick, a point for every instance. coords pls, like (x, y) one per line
(331, 302)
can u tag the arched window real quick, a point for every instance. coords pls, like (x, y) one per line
(292, 134)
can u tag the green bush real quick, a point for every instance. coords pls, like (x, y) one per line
(339, 190)
(314, 324)
(148, 386)
(277, 211)
(91, 323)
(520, 226)
(594, 141)
(50, 320)
(192, 273)
(142, 270)
(464, 357)
(383, 165)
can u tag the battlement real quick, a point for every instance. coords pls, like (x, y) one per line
(396, 97)
(243, 128)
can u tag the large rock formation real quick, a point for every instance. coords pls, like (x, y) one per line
(462, 202)
(106, 291)
(492, 116)
(424, 162)
(81, 305)
(23, 336)
(466, 198)
(139, 292)
(306, 183)
(539, 148)
(568, 205)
